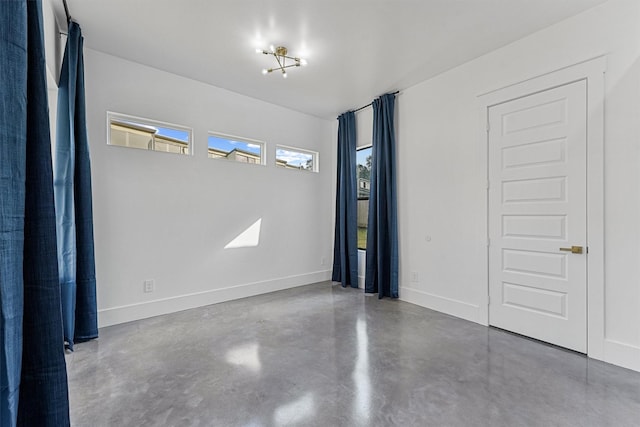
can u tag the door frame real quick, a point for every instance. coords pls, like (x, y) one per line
(592, 71)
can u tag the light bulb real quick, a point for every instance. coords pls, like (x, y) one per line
(273, 49)
(258, 50)
(303, 62)
(265, 71)
(284, 75)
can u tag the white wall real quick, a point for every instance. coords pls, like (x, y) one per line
(54, 48)
(442, 171)
(54, 42)
(168, 217)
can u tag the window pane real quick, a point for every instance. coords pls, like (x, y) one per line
(363, 216)
(145, 134)
(363, 161)
(295, 158)
(363, 169)
(235, 149)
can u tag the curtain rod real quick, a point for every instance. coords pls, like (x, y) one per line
(369, 104)
(66, 10)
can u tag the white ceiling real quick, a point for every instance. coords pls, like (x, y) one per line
(356, 49)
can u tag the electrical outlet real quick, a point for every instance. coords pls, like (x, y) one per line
(149, 286)
(323, 261)
(414, 277)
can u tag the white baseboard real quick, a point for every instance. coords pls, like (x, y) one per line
(621, 354)
(127, 313)
(442, 304)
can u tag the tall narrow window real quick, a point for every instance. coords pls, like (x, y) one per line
(146, 134)
(236, 149)
(363, 162)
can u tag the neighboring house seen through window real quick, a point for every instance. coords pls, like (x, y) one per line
(146, 134)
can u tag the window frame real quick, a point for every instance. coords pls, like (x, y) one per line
(358, 198)
(228, 137)
(136, 120)
(315, 157)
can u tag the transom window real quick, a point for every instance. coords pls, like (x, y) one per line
(147, 134)
(243, 150)
(296, 158)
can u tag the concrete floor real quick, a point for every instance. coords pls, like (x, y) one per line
(321, 355)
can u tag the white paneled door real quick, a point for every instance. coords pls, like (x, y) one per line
(537, 216)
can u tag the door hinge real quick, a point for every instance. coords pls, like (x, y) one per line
(488, 299)
(488, 241)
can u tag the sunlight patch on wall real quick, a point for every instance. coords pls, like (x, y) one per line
(249, 238)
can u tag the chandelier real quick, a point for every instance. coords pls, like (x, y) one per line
(280, 53)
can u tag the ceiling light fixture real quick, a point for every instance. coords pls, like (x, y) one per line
(280, 53)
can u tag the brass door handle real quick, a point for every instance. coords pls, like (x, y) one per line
(573, 249)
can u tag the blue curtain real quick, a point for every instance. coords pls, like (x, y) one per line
(382, 232)
(76, 261)
(33, 377)
(13, 142)
(345, 245)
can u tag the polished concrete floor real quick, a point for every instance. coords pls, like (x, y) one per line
(321, 355)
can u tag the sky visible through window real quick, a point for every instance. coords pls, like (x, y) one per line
(227, 145)
(294, 158)
(362, 154)
(181, 135)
